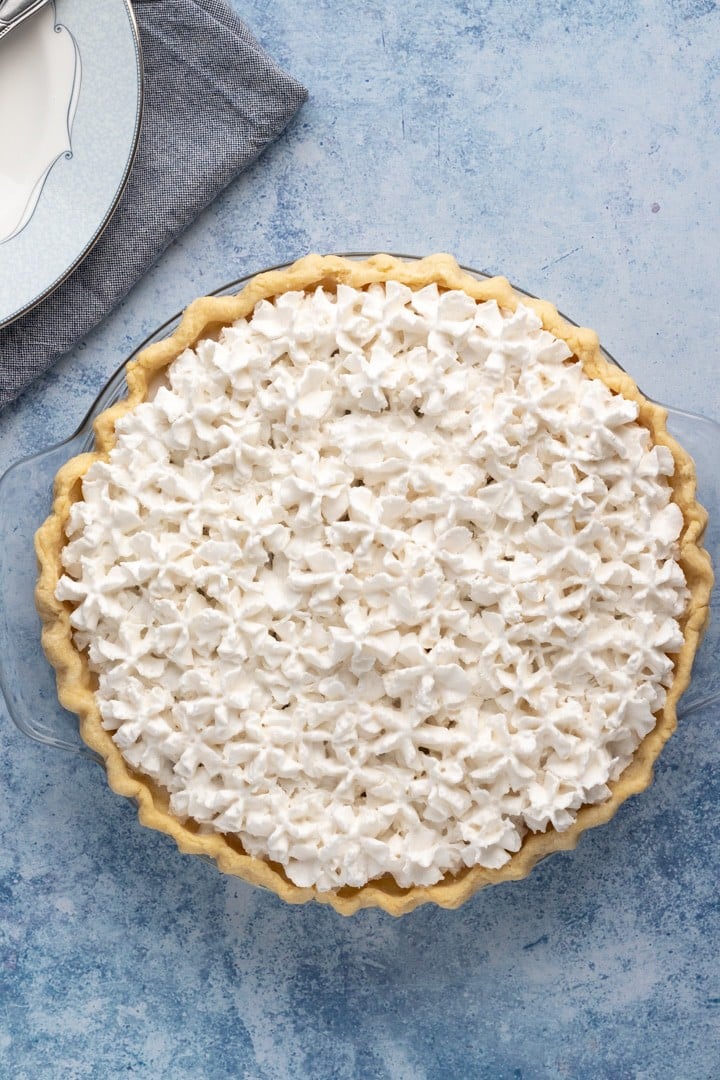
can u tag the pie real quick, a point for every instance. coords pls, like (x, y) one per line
(382, 584)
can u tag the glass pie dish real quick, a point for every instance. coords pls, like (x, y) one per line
(26, 494)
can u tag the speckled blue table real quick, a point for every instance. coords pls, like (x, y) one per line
(574, 146)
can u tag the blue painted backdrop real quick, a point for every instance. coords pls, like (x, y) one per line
(573, 146)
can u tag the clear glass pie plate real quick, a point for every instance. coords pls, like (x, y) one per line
(27, 681)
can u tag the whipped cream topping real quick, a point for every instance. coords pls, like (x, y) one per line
(378, 582)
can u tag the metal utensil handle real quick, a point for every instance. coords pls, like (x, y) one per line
(13, 12)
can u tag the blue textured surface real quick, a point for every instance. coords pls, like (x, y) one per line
(573, 146)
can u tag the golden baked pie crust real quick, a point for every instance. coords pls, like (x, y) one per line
(76, 683)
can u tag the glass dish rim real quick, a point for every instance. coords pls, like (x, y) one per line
(228, 288)
(108, 394)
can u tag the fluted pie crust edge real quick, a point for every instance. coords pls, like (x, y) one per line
(76, 683)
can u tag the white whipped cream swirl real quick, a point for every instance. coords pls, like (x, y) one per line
(378, 582)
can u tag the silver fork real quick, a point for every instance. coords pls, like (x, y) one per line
(13, 12)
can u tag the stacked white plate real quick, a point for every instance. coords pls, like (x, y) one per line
(70, 109)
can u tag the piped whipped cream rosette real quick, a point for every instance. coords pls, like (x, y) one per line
(379, 582)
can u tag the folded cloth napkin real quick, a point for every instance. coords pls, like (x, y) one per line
(213, 100)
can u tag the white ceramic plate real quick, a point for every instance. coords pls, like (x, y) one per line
(70, 108)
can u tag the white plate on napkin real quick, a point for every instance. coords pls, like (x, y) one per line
(70, 109)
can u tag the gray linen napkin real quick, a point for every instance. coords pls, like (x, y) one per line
(213, 100)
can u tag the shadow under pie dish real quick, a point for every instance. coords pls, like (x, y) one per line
(380, 586)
